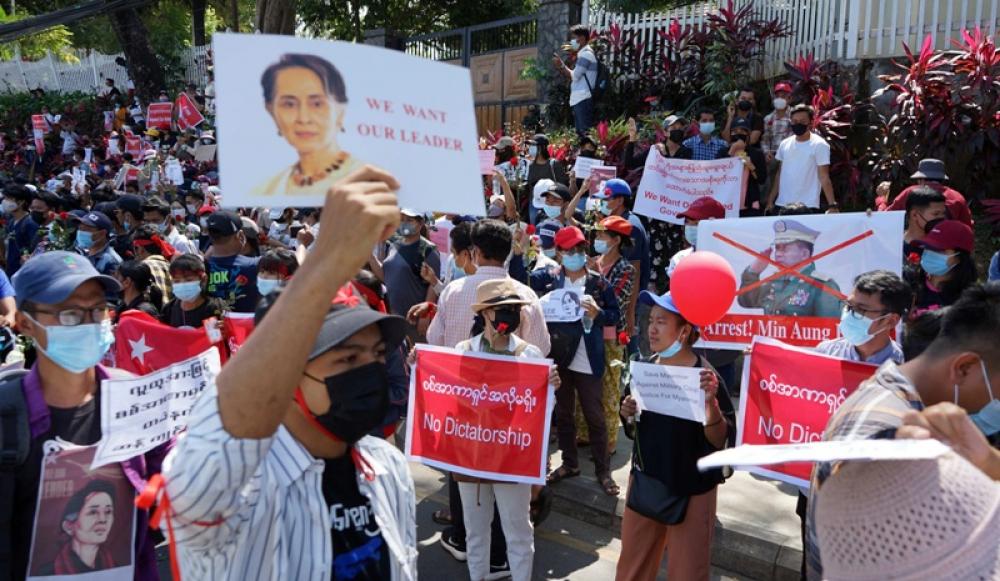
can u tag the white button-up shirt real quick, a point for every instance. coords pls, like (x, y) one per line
(266, 496)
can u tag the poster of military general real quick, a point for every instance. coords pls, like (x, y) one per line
(794, 272)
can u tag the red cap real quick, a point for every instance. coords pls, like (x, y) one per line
(783, 86)
(206, 209)
(569, 237)
(616, 224)
(949, 234)
(704, 208)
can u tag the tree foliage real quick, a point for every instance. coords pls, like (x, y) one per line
(57, 40)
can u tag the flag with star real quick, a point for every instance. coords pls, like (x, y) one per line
(144, 345)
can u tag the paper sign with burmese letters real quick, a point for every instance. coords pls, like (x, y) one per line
(297, 115)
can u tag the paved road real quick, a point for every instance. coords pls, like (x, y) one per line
(564, 548)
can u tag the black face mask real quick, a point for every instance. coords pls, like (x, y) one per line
(587, 153)
(799, 128)
(39, 217)
(739, 138)
(509, 317)
(745, 105)
(359, 400)
(676, 135)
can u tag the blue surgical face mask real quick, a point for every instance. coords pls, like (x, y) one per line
(674, 349)
(552, 211)
(935, 263)
(706, 127)
(988, 418)
(574, 44)
(266, 286)
(78, 348)
(574, 262)
(162, 227)
(601, 246)
(550, 252)
(187, 291)
(84, 240)
(691, 234)
(457, 272)
(532, 150)
(854, 327)
(602, 207)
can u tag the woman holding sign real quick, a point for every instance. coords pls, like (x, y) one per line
(306, 97)
(670, 505)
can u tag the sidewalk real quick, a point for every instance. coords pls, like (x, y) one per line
(757, 531)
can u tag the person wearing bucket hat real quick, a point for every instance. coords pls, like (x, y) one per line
(498, 306)
(684, 532)
(328, 501)
(931, 173)
(950, 390)
(63, 308)
(947, 264)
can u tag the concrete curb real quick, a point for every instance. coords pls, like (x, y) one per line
(738, 546)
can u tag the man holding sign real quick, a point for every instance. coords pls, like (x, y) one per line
(670, 505)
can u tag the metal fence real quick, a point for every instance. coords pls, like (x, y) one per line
(88, 73)
(464, 43)
(831, 29)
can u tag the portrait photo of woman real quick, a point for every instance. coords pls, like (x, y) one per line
(86, 524)
(571, 305)
(306, 97)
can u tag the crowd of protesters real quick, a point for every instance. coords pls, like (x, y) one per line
(288, 471)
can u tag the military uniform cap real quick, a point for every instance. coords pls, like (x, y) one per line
(786, 231)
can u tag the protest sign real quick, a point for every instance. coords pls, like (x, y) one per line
(413, 134)
(236, 328)
(600, 174)
(788, 395)
(833, 451)
(481, 415)
(669, 185)
(188, 115)
(109, 120)
(88, 154)
(139, 414)
(133, 146)
(583, 166)
(99, 501)
(205, 152)
(40, 125)
(159, 115)
(487, 157)
(668, 390)
(562, 306)
(794, 272)
(173, 171)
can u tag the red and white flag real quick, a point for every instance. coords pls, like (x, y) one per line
(144, 345)
(187, 114)
(236, 328)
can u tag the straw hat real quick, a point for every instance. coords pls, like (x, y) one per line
(497, 292)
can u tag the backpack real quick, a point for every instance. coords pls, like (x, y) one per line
(15, 431)
(602, 83)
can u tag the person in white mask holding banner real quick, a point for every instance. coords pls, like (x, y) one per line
(961, 366)
(664, 470)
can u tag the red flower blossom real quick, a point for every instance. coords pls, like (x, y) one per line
(513, 161)
(623, 338)
(241, 280)
(913, 258)
(502, 328)
(63, 215)
(530, 229)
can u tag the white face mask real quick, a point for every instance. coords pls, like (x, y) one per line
(779, 103)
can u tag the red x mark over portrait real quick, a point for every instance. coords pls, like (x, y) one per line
(794, 270)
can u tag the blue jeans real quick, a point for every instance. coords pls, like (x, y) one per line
(583, 116)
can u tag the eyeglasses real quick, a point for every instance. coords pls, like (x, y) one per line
(866, 313)
(74, 317)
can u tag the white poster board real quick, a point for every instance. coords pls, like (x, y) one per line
(562, 306)
(414, 117)
(584, 165)
(139, 414)
(668, 390)
(670, 185)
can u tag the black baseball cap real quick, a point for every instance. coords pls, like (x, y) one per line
(741, 123)
(224, 223)
(342, 322)
(130, 203)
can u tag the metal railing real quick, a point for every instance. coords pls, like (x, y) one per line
(462, 44)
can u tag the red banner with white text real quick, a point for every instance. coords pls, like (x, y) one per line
(159, 115)
(480, 415)
(188, 114)
(800, 331)
(236, 328)
(788, 395)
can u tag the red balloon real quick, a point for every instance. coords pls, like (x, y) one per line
(703, 287)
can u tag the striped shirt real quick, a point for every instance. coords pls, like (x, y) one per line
(874, 411)
(263, 498)
(454, 319)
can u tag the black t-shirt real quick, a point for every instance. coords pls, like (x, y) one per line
(80, 425)
(234, 280)
(175, 315)
(359, 551)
